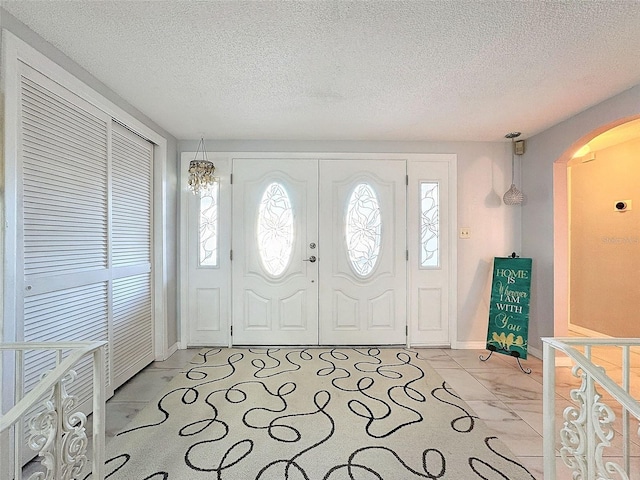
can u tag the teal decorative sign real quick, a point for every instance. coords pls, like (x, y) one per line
(509, 309)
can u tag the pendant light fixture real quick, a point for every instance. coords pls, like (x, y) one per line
(201, 171)
(513, 196)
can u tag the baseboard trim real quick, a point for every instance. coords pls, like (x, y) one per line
(535, 352)
(469, 346)
(587, 332)
(483, 346)
(171, 350)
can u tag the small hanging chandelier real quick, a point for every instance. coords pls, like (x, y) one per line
(201, 171)
(513, 196)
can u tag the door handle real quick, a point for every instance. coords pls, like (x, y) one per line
(311, 259)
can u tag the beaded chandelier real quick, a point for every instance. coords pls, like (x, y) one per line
(201, 171)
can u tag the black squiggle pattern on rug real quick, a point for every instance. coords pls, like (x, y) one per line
(321, 399)
(474, 462)
(351, 466)
(361, 409)
(264, 371)
(467, 416)
(309, 414)
(125, 458)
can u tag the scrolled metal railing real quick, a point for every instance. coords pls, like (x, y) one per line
(587, 434)
(57, 429)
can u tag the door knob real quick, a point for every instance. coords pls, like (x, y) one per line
(311, 259)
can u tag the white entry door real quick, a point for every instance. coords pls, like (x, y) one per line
(319, 252)
(363, 264)
(275, 238)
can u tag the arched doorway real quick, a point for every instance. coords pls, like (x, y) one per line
(596, 238)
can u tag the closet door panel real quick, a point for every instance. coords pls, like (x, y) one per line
(84, 232)
(131, 181)
(64, 186)
(62, 235)
(131, 184)
(132, 326)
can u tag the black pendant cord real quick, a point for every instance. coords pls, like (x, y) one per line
(524, 370)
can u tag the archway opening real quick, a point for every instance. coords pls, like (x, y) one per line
(597, 233)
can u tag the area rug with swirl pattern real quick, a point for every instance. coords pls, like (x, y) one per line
(312, 414)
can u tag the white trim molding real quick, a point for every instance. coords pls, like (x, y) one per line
(450, 158)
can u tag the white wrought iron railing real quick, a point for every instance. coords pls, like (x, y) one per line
(589, 422)
(56, 429)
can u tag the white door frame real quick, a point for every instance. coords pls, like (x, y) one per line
(450, 159)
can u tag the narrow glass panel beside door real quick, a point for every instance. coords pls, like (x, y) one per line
(429, 225)
(209, 200)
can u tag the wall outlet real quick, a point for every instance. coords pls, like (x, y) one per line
(465, 232)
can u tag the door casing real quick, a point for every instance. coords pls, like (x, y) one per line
(449, 313)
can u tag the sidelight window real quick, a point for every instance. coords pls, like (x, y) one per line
(209, 201)
(429, 225)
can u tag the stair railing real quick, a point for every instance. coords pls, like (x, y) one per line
(587, 433)
(57, 430)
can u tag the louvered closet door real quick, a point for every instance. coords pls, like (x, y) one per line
(131, 255)
(83, 242)
(63, 211)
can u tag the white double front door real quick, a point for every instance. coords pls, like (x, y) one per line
(319, 252)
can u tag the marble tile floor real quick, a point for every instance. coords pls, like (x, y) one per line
(510, 402)
(506, 399)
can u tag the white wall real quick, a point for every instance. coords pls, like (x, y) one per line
(604, 248)
(558, 143)
(484, 174)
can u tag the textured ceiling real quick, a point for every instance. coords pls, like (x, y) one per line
(342, 70)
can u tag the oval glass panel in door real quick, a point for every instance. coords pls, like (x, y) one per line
(363, 229)
(275, 229)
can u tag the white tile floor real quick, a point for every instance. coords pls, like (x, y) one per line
(506, 399)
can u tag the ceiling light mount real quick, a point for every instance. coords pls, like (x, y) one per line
(513, 196)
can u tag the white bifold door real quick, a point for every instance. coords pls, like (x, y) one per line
(319, 252)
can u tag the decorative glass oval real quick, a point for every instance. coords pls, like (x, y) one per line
(363, 229)
(275, 229)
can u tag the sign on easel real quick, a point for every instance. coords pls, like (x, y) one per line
(509, 309)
